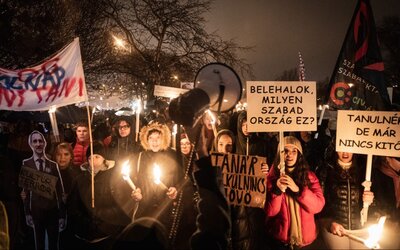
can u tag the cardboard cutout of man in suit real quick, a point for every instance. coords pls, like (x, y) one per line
(43, 213)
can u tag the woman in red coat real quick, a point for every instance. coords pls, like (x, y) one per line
(293, 198)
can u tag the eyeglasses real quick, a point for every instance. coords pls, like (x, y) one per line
(124, 127)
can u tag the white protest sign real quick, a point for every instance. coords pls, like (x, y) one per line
(368, 132)
(281, 106)
(169, 92)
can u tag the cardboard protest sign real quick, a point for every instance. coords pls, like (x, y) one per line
(244, 183)
(368, 132)
(37, 181)
(281, 106)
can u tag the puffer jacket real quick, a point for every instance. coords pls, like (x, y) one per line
(311, 201)
(79, 149)
(343, 192)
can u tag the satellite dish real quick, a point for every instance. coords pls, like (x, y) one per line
(217, 87)
(222, 85)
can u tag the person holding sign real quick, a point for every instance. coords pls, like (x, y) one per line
(260, 144)
(292, 199)
(341, 181)
(42, 194)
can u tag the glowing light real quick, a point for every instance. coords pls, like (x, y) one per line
(119, 42)
(375, 233)
(125, 174)
(212, 117)
(157, 176)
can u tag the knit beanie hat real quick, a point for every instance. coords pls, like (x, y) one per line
(98, 149)
(293, 141)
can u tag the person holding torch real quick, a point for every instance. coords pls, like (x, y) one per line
(341, 180)
(155, 194)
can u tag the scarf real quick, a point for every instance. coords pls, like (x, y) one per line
(344, 165)
(295, 233)
(387, 170)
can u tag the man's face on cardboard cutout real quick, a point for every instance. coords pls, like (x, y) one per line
(37, 143)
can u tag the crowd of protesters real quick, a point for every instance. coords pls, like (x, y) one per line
(310, 204)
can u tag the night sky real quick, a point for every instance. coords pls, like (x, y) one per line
(279, 29)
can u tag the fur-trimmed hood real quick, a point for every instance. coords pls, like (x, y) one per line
(165, 135)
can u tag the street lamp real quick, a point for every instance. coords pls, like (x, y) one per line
(120, 43)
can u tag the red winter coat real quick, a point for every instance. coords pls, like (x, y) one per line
(79, 149)
(311, 201)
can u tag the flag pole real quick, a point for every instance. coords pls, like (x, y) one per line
(91, 150)
(53, 122)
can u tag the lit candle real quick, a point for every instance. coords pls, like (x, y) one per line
(125, 174)
(375, 233)
(174, 132)
(213, 122)
(138, 110)
(157, 177)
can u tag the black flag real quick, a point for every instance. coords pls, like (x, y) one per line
(358, 82)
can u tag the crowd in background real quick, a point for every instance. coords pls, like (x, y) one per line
(311, 205)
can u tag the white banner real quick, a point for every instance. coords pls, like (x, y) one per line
(169, 92)
(281, 106)
(368, 132)
(59, 81)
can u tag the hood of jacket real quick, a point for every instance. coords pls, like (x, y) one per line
(86, 166)
(164, 131)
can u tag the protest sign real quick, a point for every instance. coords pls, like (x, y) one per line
(39, 182)
(281, 106)
(168, 92)
(243, 181)
(368, 132)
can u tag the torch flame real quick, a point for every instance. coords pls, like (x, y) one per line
(375, 234)
(212, 118)
(157, 174)
(125, 169)
(175, 129)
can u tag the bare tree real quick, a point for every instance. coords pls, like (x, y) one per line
(166, 38)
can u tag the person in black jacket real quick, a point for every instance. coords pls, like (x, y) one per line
(341, 181)
(248, 222)
(155, 200)
(122, 144)
(96, 227)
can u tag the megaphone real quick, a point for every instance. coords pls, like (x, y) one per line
(217, 87)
